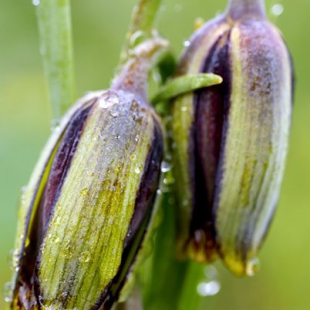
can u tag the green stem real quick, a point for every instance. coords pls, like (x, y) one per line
(189, 297)
(133, 303)
(140, 27)
(54, 20)
(239, 8)
(162, 290)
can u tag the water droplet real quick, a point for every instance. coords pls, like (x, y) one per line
(8, 292)
(129, 233)
(210, 288)
(36, 2)
(138, 170)
(69, 249)
(108, 101)
(165, 166)
(55, 124)
(64, 294)
(113, 99)
(169, 179)
(178, 7)
(133, 157)
(277, 9)
(186, 43)
(23, 189)
(84, 192)
(13, 259)
(159, 192)
(85, 257)
(117, 136)
(114, 111)
(137, 37)
(252, 267)
(198, 23)
(137, 138)
(183, 109)
(54, 238)
(156, 77)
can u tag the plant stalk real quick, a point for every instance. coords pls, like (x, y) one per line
(141, 25)
(54, 21)
(239, 8)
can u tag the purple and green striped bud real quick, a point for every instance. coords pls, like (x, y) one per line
(90, 199)
(231, 139)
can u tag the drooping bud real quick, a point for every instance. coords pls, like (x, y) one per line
(231, 139)
(90, 199)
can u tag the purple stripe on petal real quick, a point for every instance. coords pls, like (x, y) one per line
(211, 112)
(148, 184)
(62, 162)
(60, 166)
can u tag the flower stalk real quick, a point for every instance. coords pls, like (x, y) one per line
(238, 8)
(54, 21)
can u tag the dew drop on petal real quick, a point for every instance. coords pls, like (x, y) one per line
(55, 125)
(108, 100)
(85, 257)
(114, 113)
(13, 259)
(133, 157)
(84, 192)
(137, 169)
(252, 267)
(54, 238)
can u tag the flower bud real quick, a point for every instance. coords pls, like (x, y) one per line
(231, 139)
(90, 199)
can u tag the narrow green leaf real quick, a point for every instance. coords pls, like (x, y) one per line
(184, 84)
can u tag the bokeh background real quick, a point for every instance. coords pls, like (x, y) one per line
(99, 28)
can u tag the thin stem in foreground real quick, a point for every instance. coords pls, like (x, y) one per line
(54, 20)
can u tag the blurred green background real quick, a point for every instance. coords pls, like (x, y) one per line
(99, 28)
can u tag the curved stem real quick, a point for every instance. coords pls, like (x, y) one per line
(133, 76)
(54, 20)
(141, 23)
(240, 8)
